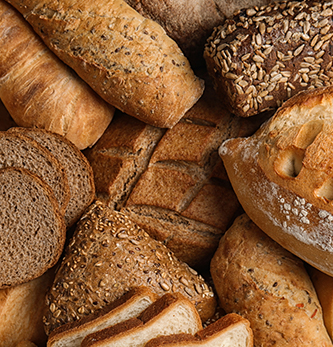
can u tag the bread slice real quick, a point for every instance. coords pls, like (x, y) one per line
(78, 170)
(171, 314)
(32, 230)
(17, 150)
(231, 330)
(130, 305)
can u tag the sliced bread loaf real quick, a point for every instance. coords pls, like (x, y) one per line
(78, 170)
(171, 314)
(32, 230)
(130, 305)
(17, 150)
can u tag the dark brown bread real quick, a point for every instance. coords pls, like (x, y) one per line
(263, 56)
(78, 170)
(32, 231)
(109, 255)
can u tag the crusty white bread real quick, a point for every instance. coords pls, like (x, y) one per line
(231, 330)
(170, 314)
(130, 305)
(282, 176)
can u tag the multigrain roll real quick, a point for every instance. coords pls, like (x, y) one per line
(263, 56)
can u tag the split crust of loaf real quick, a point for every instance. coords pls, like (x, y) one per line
(128, 306)
(282, 176)
(170, 314)
(32, 229)
(263, 56)
(40, 91)
(269, 286)
(127, 59)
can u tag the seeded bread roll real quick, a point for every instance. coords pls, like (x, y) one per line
(127, 59)
(109, 255)
(262, 57)
(263, 282)
(282, 176)
(32, 231)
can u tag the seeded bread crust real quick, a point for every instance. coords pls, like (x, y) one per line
(261, 57)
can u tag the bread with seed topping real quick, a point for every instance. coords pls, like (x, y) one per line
(263, 56)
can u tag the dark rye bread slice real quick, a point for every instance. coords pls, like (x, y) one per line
(17, 150)
(78, 170)
(32, 230)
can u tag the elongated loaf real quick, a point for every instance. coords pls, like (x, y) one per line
(263, 282)
(127, 59)
(263, 56)
(282, 176)
(40, 91)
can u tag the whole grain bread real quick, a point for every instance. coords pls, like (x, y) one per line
(77, 168)
(170, 314)
(128, 306)
(109, 255)
(17, 150)
(283, 178)
(263, 56)
(127, 59)
(269, 286)
(32, 231)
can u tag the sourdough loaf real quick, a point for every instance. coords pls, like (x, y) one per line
(127, 59)
(32, 231)
(282, 176)
(77, 168)
(41, 91)
(257, 278)
(263, 56)
(170, 314)
(109, 255)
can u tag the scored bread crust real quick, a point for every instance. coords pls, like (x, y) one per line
(283, 176)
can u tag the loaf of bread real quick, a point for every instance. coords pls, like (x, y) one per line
(109, 255)
(282, 176)
(32, 230)
(170, 314)
(40, 91)
(263, 56)
(260, 280)
(129, 305)
(127, 59)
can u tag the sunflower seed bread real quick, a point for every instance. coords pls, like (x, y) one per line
(263, 56)
(109, 255)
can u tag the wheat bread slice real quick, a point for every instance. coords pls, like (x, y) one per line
(17, 150)
(231, 330)
(130, 305)
(170, 314)
(32, 230)
(78, 170)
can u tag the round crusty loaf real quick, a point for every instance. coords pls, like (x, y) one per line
(32, 230)
(109, 255)
(283, 176)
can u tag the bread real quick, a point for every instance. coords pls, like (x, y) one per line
(109, 255)
(261, 57)
(40, 91)
(229, 331)
(172, 313)
(77, 168)
(20, 151)
(127, 59)
(32, 231)
(260, 280)
(128, 306)
(286, 190)
(25, 343)
(21, 312)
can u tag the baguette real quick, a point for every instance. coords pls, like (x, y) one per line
(127, 59)
(38, 90)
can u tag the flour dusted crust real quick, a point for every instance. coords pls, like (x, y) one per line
(283, 176)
